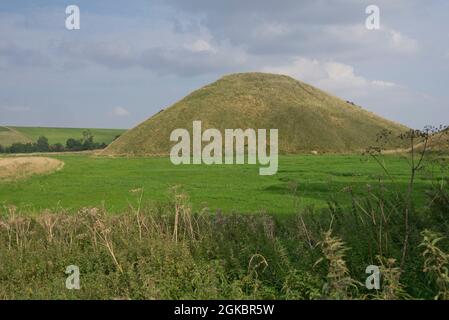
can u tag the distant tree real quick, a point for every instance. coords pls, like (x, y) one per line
(73, 145)
(57, 147)
(17, 148)
(85, 143)
(88, 140)
(22, 147)
(42, 144)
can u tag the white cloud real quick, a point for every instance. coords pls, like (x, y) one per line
(120, 112)
(335, 77)
(201, 46)
(204, 40)
(385, 98)
(402, 43)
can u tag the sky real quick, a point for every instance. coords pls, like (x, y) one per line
(129, 59)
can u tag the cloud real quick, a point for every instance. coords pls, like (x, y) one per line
(187, 62)
(322, 29)
(15, 108)
(183, 58)
(335, 77)
(215, 38)
(159, 53)
(200, 46)
(380, 96)
(12, 54)
(402, 43)
(120, 112)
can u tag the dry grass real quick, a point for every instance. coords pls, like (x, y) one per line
(9, 136)
(339, 282)
(24, 167)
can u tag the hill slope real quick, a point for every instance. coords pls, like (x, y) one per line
(438, 142)
(54, 135)
(307, 118)
(9, 136)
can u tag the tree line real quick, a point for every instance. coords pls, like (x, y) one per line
(41, 145)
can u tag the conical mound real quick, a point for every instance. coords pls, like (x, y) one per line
(307, 118)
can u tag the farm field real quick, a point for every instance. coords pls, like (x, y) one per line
(88, 181)
(11, 134)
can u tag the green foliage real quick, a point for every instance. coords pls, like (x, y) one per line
(57, 147)
(42, 144)
(73, 144)
(173, 250)
(436, 262)
(135, 256)
(167, 251)
(10, 135)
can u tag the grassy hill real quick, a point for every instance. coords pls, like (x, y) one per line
(438, 142)
(9, 135)
(307, 118)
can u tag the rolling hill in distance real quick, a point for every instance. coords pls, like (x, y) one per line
(9, 136)
(307, 118)
(13, 134)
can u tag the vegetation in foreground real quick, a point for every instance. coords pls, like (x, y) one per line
(171, 252)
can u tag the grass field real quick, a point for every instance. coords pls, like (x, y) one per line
(93, 181)
(168, 247)
(9, 135)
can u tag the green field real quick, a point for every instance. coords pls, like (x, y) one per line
(9, 135)
(168, 247)
(92, 181)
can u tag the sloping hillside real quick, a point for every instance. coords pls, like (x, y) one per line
(307, 118)
(9, 136)
(438, 142)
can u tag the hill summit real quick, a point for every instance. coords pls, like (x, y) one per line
(307, 118)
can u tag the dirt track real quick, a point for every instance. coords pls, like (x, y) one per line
(23, 167)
